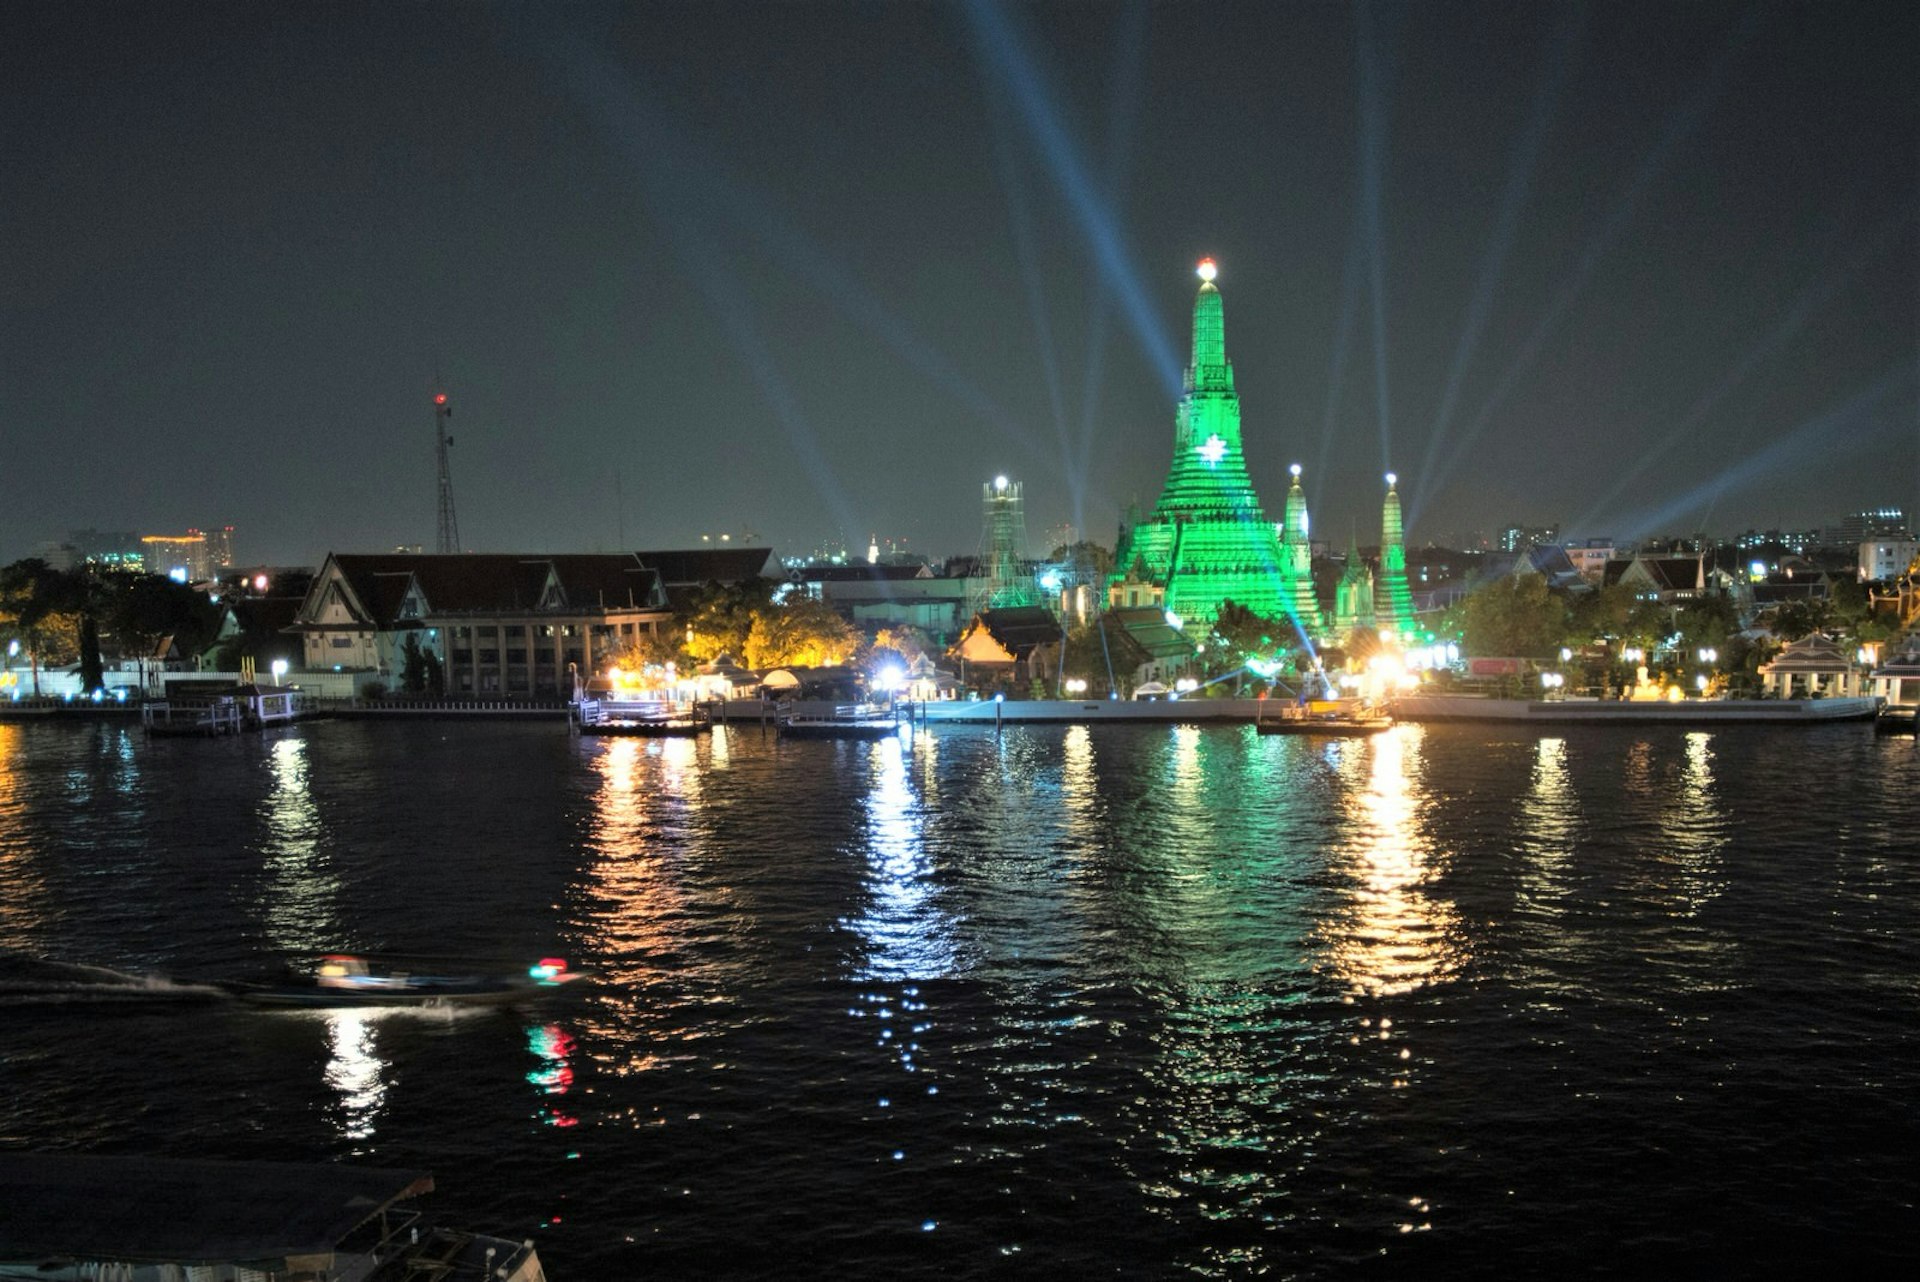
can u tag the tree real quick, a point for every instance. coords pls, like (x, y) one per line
(1792, 620)
(33, 611)
(419, 667)
(910, 642)
(1600, 615)
(1087, 657)
(1849, 602)
(1710, 621)
(1083, 562)
(142, 610)
(802, 632)
(721, 618)
(1515, 615)
(650, 649)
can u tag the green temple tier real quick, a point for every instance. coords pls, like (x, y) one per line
(1207, 541)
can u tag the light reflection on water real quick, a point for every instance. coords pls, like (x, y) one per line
(300, 892)
(25, 907)
(1119, 997)
(1392, 934)
(906, 933)
(356, 1073)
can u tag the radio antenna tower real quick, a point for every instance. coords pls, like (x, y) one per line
(443, 442)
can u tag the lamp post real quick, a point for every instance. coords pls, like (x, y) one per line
(1051, 581)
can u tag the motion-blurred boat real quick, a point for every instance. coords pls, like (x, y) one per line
(343, 979)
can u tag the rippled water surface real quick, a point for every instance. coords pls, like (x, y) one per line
(1122, 1000)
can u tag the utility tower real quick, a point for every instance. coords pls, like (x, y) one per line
(449, 540)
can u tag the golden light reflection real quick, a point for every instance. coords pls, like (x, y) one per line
(1549, 825)
(635, 914)
(24, 907)
(299, 900)
(354, 1071)
(1390, 936)
(1694, 826)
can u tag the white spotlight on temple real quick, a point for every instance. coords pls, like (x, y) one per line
(1207, 270)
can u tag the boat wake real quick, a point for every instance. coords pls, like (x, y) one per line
(35, 982)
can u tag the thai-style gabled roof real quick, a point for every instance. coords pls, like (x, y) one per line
(1145, 629)
(1019, 628)
(696, 566)
(1013, 631)
(1669, 573)
(1815, 652)
(393, 588)
(862, 573)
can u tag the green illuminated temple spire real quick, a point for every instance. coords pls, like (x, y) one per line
(1296, 563)
(1393, 599)
(1207, 541)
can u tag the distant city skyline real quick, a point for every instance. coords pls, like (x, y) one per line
(1629, 269)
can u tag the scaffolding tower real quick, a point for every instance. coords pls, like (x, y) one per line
(1007, 579)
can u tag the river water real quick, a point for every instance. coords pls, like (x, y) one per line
(1119, 1000)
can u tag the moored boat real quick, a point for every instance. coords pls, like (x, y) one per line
(843, 721)
(138, 1219)
(1338, 719)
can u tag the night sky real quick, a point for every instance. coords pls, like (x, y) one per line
(817, 271)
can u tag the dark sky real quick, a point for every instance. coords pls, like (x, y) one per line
(817, 271)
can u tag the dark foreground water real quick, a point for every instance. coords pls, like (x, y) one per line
(1135, 1001)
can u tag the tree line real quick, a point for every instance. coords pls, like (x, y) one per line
(59, 618)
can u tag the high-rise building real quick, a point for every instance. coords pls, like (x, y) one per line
(1207, 541)
(109, 549)
(1874, 523)
(220, 548)
(1518, 538)
(179, 556)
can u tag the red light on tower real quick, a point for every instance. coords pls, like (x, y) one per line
(439, 398)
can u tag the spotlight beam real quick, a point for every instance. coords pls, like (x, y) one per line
(1007, 54)
(1561, 53)
(1815, 295)
(1123, 107)
(1618, 216)
(700, 193)
(724, 293)
(1373, 73)
(1020, 224)
(1342, 340)
(1852, 425)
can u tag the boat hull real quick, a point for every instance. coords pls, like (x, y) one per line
(1632, 712)
(1325, 726)
(839, 729)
